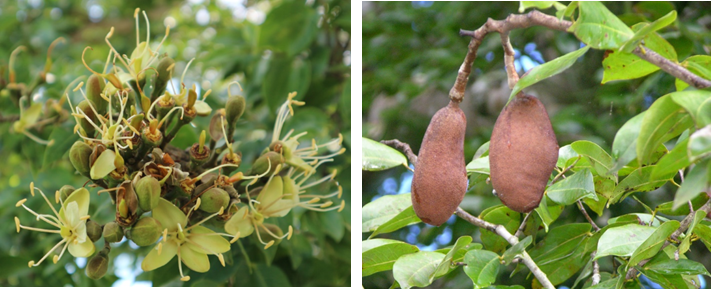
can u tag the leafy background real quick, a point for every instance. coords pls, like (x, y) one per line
(270, 47)
(412, 51)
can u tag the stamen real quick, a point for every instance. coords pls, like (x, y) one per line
(48, 203)
(37, 139)
(17, 224)
(13, 55)
(33, 264)
(343, 205)
(205, 219)
(326, 204)
(55, 259)
(86, 65)
(222, 259)
(182, 113)
(314, 200)
(64, 249)
(269, 244)
(291, 231)
(48, 63)
(56, 197)
(180, 267)
(213, 169)
(160, 248)
(32, 188)
(84, 218)
(182, 78)
(234, 239)
(20, 202)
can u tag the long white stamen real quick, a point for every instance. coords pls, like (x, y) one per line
(50, 251)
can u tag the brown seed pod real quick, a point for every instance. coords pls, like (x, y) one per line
(440, 179)
(522, 153)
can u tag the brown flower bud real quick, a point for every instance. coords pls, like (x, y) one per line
(98, 265)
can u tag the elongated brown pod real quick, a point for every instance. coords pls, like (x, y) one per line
(440, 179)
(522, 153)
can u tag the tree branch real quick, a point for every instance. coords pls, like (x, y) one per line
(501, 231)
(632, 272)
(590, 220)
(536, 18)
(403, 147)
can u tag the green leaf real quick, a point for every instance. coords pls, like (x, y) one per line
(654, 243)
(548, 212)
(547, 70)
(285, 75)
(482, 151)
(401, 220)
(697, 103)
(568, 191)
(560, 242)
(681, 266)
(600, 160)
(666, 208)
(378, 157)
(640, 180)
(700, 144)
(624, 147)
(290, 27)
(380, 254)
(673, 161)
(63, 139)
(607, 284)
(480, 165)
(565, 153)
(104, 165)
(516, 250)
(697, 64)
(623, 240)
(416, 269)
(664, 120)
(599, 28)
(620, 65)
(384, 209)
(482, 267)
(666, 281)
(660, 23)
(499, 215)
(446, 264)
(696, 182)
(561, 269)
(704, 233)
(541, 5)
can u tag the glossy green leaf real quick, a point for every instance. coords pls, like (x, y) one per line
(380, 254)
(384, 209)
(664, 120)
(697, 103)
(401, 220)
(623, 240)
(547, 70)
(666, 281)
(560, 242)
(500, 215)
(446, 263)
(660, 23)
(599, 28)
(482, 267)
(620, 65)
(681, 266)
(673, 161)
(516, 250)
(700, 144)
(541, 5)
(666, 208)
(561, 269)
(565, 154)
(573, 188)
(480, 165)
(378, 157)
(653, 244)
(289, 27)
(697, 64)
(607, 284)
(482, 151)
(704, 233)
(696, 182)
(63, 138)
(416, 269)
(548, 212)
(601, 161)
(640, 180)
(624, 147)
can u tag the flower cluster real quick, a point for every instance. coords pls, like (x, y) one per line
(165, 196)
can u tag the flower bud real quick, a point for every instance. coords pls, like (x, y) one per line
(85, 124)
(93, 230)
(98, 265)
(126, 204)
(80, 156)
(215, 127)
(94, 88)
(213, 199)
(165, 67)
(264, 162)
(113, 233)
(231, 158)
(65, 191)
(145, 232)
(234, 109)
(148, 191)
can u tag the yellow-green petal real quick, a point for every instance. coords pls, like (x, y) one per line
(155, 260)
(196, 261)
(240, 222)
(216, 243)
(202, 108)
(81, 197)
(169, 215)
(271, 192)
(84, 249)
(104, 165)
